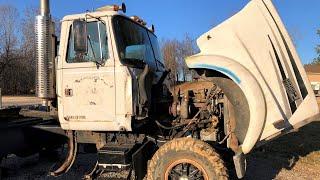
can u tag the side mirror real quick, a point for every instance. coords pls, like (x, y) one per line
(80, 36)
(136, 52)
(135, 55)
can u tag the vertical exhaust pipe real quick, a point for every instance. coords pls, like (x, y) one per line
(44, 8)
(45, 48)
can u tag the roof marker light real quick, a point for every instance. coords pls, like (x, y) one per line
(122, 8)
(138, 20)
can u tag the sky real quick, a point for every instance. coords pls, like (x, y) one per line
(175, 18)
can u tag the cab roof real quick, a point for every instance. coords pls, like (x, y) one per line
(94, 14)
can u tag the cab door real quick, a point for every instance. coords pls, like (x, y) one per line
(88, 89)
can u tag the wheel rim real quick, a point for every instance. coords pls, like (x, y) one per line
(185, 169)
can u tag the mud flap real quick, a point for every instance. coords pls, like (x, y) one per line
(240, 164)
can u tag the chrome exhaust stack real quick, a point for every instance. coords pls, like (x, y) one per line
(45, 53)
(44, 7)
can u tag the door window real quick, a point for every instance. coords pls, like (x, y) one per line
(97, 44)
(133, 42)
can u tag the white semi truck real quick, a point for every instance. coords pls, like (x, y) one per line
(107, 86)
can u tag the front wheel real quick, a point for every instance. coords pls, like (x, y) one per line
(186, 159)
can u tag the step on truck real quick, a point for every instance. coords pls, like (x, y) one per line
(108, 87)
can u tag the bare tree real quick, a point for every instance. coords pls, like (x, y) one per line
(27, 27)
(9, 17)
(187, 48)
(17, 49)
(170, 55)
(57, 26)
(17, 58)
(8, 32)
(27, 48)
(174, 53)
(317, 59)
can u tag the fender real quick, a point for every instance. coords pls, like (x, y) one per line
(254, 49)
(247, 83)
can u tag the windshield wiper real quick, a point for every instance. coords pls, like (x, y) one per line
(90, 42)
(94, 55)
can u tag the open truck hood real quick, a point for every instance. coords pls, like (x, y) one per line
(254, 49)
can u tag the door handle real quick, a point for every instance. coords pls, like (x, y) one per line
(68, 92)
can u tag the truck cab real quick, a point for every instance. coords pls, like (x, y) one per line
(112, 91)
(106, 66)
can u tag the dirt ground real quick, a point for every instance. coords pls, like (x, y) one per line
(20, 101)
(292, 157)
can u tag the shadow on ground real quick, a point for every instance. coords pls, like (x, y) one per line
(293, 156)
(296, 151)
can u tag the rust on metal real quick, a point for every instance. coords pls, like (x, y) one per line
(185, 161)
(192, 86)
(233, 142)
(72, 152)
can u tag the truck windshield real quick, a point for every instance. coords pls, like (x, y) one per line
(136, 43)
(97, 45)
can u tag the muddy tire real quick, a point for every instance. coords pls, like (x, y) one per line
(186, 158)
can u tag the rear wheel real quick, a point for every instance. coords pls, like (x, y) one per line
(186, 159)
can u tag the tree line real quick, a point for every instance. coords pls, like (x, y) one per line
(17, 52)
(174, 53)
(17, 57)
(317, 59)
